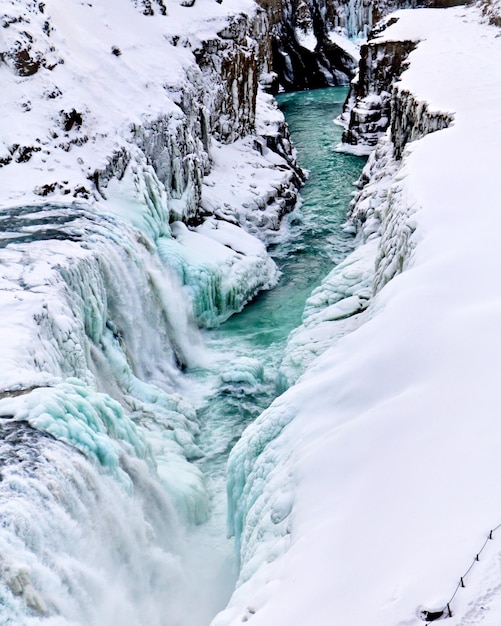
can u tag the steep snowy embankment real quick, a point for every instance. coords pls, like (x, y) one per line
(365, 492)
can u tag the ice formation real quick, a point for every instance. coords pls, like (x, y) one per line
(126, 145)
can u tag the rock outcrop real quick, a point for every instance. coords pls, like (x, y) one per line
(307, 37)
(492, 10)
(374, 103)
(209, 98)
(368, 107)
(306, 44)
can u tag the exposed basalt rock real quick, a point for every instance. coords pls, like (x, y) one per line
(219, 102)
(411, 120)
(26, 46)
(71, 119)
(233, 63)
(304, 34)
(369, 103)
(375, 102)
(150, 7)
(300, 66)
(25, 63)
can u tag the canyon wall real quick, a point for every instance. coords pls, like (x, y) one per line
(210, 97)
(381, 321)
(309, 37)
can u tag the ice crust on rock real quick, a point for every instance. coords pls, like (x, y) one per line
(221, 266)
(333, 309)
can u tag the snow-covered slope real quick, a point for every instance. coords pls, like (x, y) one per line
(366, 491)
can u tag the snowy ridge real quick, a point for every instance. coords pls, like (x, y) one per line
(386, 450)
(137, 139)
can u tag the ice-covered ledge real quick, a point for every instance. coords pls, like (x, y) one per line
(365, 491)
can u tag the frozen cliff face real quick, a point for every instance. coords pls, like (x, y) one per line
(98, 126)
(309, 50)
(369, 109)
(376, 208)
(138, 113)
(313, 39)
(367, 112)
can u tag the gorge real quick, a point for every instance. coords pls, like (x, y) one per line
(149, 193)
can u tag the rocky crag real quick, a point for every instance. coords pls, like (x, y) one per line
(210, 97)
(309, 37)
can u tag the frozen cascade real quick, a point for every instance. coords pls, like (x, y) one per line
(58, 513)
(101, 327)
(94, 331)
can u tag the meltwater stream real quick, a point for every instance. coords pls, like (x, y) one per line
(248, 348)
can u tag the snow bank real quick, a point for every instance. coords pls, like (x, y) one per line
(386, 452)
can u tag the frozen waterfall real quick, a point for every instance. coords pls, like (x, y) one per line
(118, 412)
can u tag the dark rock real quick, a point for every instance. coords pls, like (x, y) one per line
(25, 64)
(296, 66)
(24, 153)
(147, 6)
(71, 120)
(368, 106)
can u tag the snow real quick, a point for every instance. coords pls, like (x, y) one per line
(306, 39)
(351, 47)
(388, 446)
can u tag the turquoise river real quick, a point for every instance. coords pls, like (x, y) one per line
(247, 349)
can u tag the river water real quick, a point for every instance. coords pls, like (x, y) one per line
(247, 349)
